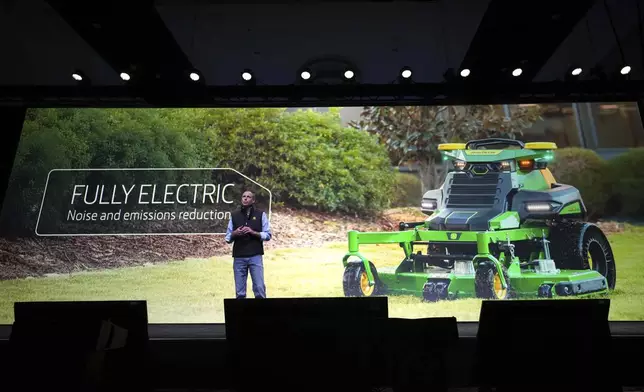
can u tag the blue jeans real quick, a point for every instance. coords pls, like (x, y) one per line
(241, 266)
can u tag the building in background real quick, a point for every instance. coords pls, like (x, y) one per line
(347, 114)
(350, 114)
(315, 109)
(609, 128)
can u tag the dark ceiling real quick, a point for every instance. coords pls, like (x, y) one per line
(158, 43)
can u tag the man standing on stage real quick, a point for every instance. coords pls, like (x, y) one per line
(247, 230)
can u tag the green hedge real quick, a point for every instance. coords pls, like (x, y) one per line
(627, 177)
(609, 187)
(307, 159)
(86, 138)
(588, 172)
(407, 190)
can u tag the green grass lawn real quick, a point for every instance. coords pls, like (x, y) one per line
(192, 291)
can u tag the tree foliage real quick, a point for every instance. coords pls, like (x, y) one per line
(413, 133)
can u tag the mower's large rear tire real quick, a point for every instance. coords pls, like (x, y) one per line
(488, 283)
(580, 246)
(355, 282)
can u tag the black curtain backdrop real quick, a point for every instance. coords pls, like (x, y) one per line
(11, 120)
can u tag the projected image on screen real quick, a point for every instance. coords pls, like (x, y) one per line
(435, 207)
(95, 202)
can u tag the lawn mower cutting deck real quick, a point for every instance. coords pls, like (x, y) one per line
(500, 227)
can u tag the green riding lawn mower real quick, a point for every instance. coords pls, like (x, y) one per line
(500, 227)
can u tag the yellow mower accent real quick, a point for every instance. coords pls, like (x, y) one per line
(541, 146)
(451, 146)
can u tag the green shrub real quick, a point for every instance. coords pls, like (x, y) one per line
(588, 172)
(628, 183)
(85, 138)
(407, 190)
(307, 159)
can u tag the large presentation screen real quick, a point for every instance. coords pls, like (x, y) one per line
(180, 207)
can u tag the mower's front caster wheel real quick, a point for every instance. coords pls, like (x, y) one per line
(488, 282)
(435, 291)
(355, 281)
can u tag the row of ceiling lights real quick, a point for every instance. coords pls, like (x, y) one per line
(195, 76)
(405, 73)
(576, 71)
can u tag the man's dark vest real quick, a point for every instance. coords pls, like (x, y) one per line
(248, 245)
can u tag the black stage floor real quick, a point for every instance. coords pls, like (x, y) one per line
(634, 329)
(193, 356)
(465, 330)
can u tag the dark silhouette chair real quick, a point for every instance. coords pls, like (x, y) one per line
(79, 346)
(312, 344)
(545, 345)
(415, 353)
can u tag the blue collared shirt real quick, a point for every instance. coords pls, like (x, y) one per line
(265, 234)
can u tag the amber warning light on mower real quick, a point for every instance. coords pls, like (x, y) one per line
(526, 164)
